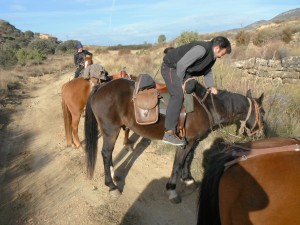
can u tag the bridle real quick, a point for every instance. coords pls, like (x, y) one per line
(258, 121)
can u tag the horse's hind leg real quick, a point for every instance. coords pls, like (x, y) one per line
(75, 123)
(107, 150)
(126, 141)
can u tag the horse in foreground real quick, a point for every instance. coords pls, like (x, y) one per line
(254, 183)
(111, 107)
(74, 97)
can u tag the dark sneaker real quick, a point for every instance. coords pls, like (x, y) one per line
(172, 139)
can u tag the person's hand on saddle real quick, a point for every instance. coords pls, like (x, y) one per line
(213, 90)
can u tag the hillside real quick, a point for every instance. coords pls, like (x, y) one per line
(293, 14)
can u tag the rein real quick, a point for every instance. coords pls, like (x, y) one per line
(245, 153)
(201, 101)
(258, 121)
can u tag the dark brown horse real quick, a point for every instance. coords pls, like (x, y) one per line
(74, 97)
(111, 106)
(260, 188)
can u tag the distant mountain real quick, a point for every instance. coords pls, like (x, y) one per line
(294, 13)
(291, 14)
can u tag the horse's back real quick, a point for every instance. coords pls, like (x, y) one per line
(263, 189)
(76, 90)
(113, 106)
(112, 99)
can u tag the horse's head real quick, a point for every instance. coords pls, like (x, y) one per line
(254, 123)
(88, 60)
(124, 74)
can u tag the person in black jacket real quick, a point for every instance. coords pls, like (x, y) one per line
(79, 59)
(181, 63)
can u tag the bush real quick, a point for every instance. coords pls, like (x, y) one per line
(124, 51)
(67, 46)
(44, 46)
(242, 38)
(286, 35)
(187, 37)
(27, 55)
(8, 58)
(264, 36)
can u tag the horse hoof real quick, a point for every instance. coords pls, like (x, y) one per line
(77, 146)
(115, 193)
(175, 200)
(188, 182)
(129, 148)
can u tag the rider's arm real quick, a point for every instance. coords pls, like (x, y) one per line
(75, 59)
(209, 79)
(196, 52)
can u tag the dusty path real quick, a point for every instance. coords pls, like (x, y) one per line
(43, 182)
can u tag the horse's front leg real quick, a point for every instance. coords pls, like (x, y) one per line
(180, 157)
(186, 175)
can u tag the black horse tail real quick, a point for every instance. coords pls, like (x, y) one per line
(208, 205)
(91, 138)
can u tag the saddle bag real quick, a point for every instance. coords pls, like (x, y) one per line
(146, 106)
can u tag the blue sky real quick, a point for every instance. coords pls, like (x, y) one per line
(112, 22)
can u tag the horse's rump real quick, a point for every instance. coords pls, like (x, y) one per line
(253, 190)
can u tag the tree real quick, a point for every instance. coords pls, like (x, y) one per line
(187, 37)
(161, 39)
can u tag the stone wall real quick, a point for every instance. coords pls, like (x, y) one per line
(284, 71)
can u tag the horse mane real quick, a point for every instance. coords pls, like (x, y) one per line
(213, 164)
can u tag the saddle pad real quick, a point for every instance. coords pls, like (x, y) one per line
(188, 102)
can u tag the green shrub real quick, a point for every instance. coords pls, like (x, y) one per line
(67, 46)
(187, 37)
(29, 55)
(44, 46)
(8, 58)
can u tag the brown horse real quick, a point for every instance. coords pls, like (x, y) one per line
(112, 107)
(261, 187)
(74, 97)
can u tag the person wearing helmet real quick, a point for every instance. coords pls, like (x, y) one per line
(79, 59)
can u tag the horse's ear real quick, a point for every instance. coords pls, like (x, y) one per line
(261, 98)
(249, 93)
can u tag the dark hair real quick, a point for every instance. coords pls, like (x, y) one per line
(223, 42)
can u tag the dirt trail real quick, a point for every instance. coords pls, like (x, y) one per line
(43, 182)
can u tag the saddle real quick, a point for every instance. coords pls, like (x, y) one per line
(148, 95)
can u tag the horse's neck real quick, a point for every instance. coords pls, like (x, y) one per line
(227, 107)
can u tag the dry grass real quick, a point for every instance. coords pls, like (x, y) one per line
(54, 64)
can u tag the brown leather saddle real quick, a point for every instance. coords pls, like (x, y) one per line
(146, 106)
